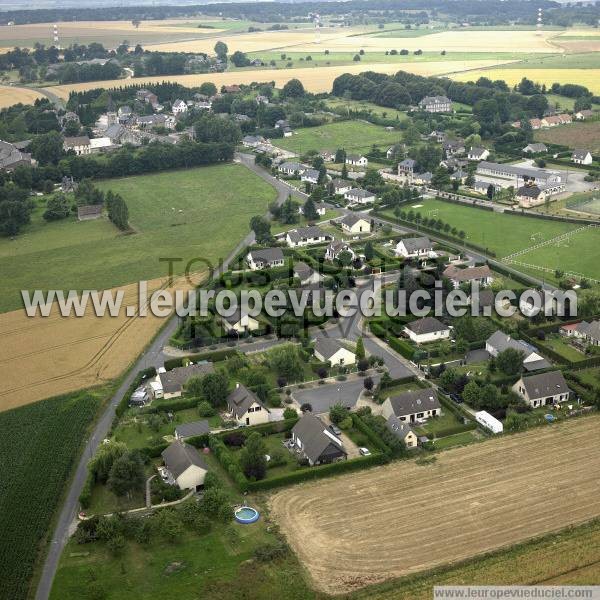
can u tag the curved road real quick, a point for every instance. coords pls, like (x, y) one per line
(153, 356)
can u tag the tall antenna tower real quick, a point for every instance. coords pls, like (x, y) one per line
(55, 36)
(317, 20)
(539, 22)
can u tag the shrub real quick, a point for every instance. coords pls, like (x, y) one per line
(346, 423)
(271, 551)
(205, 409)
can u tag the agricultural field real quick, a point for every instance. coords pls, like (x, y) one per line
(575, 135)
(363, 105)
(349, 534)
(29, 444)
(10, 95)
(353, 136)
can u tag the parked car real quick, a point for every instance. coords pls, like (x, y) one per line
(364, 451)
(335, 430)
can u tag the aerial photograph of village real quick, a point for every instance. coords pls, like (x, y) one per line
(300, 299)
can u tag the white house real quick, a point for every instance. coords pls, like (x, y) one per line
(436, 104)
(412, 406)
(341, 186)
(179, 107)
(306, 274)
(481, 274)
(477, 153)
(357, 160)
(535, 148)
(414, 247)
(331, 351)
(239, 322)
(265, 258)
(310, 176)
(582, 157)
(252, 141)
(305, 236)
(335, 248)
(245, 406)
(79, 144)
(291, 168)
(353, 223)
(427, 329)
(185, 465)
(543, 389)
(359, 196)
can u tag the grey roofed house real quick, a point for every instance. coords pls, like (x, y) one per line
(535, 148)
(529, 191)
(87, 212)
(114, 132)
(174, 380)
(417, 243)
(501, 341)
(579, 154)
(327, 347)
(302, 271)
(591, 329)
(313, 231)
(241, 399)
(354, 157)
(468, 273)
(359, 193)
(267, 255)
(351, 219)
(186, 430)
(318, 444)
(179, 457)
(311, 174)
(426, 325)
(339, 184)
(416, 401)
(291, 166)
(408, 163)
(80, 140)
(545, 384)
(398, 427)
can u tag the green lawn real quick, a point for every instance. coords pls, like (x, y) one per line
(277, 227)
(458, 439)
(382, 111)
(353, 136)
(590, 376)
(560, 345)
(585, 60)
(437, 424)
(183, 214)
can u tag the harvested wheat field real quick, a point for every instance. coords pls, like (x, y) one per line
(315, 79)
(403, 518)
(10, 95)
(46, 356)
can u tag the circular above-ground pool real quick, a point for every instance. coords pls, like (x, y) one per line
(246, 514)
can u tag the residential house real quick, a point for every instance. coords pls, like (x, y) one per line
(327, 156)
(78, 144)
(555, 120)
(535, 124)
(320, 208)
(231, 89)
(403, 431)
(499, 342)
(287, 132)
(481, 186)
(353, 223)
(265, 258)
(147, 97)
(530, 195)
(438, 136)
(246, 407)
(477, 153)
(422, 178)
(173, 382)
(454, 163)
(357, 160)
(312, 440)
(427, 329)
(335, 248)
(260, 99)
(406, 168)
(310, 176)
(587, 331)
(193, 429)
(252, 141)
(124, 114)
(412, 406)
(394, 151)
(436, 104)
(359, 196)
(115, 133)
(341, 186)
(291, 168)
(414, 247)
(281, 124)
(11, 157)
(581, 157)
(239, 322)
(545, 389)
(306, 274)
(305, 236)
(331, 351)
(582, 115)
(453, 147)
(457, 275)
(535, 148)
(101, 144)
(185, 465)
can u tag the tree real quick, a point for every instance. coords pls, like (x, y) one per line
(337, 413)
(472, 394)
(293, 89)
(290, 413)
(87, 193)
(102, 462)
(214, 388)
(344, 258)
(208, 88)
(221, 50)
(47, 148)
(490, 192)
(360, 348)
(368, 383)
(239, 59)
(118, 212)
(289, 212)
(285, 361)
(510, 361)
(340, 156)
(126, 474)
(261, 228)
(369, 251)
(309, 210)
(253, 457)
(58, 207)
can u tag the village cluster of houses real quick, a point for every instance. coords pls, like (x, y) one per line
(554, 120)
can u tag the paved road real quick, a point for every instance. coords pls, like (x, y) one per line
(153, 356)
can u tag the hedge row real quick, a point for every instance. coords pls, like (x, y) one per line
(170, 406)
(403, 348)
(213, 356)
(454, 200)
(552, 217)
(228, 462)
(454, 408)
(373, 438)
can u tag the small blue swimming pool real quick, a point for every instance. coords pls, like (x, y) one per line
(246, 514)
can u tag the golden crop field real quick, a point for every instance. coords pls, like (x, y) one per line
(588, 77)
(10, 95)
(315, 79)
(407, 517)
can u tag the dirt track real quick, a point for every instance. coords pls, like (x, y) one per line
(390, 521)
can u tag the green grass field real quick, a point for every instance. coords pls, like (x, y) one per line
(353, 136)
(585, 60)
(183, 214)
(382, 111)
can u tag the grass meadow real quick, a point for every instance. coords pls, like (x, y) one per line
(184, 214)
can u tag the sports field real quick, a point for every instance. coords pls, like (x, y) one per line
(356, 136)
(403, 518)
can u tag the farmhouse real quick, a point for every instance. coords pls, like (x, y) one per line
(403, 431)
(435, 104)
(265, 258)
(331, 351)
(291, 168)
(543, 389)
(357, 160)
(359, 196)
(306, 274)
(336, 248)
(427, 329)
(179, 107)
(313, 441)
(500, 341)
(80, 145)
(173, 382)
(188, 430)
(340, 186)
(11, 157)
(414, 247)
(410, 407)
(520, 174)
(185, 465)
(536, 148)
(482, 275)
(304, 236)
(582, 157)
(310, 176)
(476, 153)
(353, 223)
(239, 322)
(245, 406)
